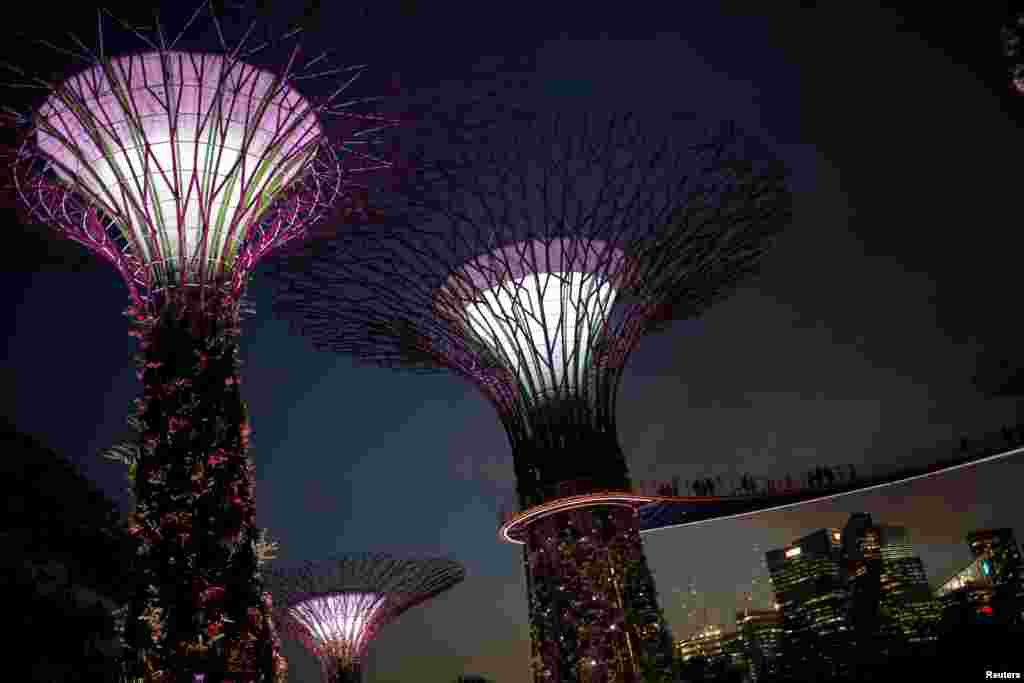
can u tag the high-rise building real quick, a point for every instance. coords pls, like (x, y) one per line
(999, 547)
(851, 595)
(706, 643)
(713, 654)
(760, 633)
(734, 655)
(991, 588)
(970, 576)
(721, 651)
(811, 590)
(889, 593)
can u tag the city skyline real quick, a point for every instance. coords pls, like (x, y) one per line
(726, 620)
(797, 371)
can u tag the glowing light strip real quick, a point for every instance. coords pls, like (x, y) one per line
(617, 498)
(630, 500)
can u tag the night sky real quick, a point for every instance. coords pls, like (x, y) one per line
(857, 344)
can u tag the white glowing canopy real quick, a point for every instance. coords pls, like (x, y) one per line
(340, 623)
(180, 148)
(540, 306)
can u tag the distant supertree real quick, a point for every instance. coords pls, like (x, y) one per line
(336, 607)
(182, 169)
(1012, 36)
(529, 258)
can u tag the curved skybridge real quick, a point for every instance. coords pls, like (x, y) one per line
(664, 512)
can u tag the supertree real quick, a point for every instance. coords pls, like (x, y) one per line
(182, 169)
(529, 257)
(335, 607)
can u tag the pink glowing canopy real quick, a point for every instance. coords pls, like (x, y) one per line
(340, 626)
(183, 152)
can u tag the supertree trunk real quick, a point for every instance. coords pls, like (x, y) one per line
(198, 606)
(593, 605)
(349, 672)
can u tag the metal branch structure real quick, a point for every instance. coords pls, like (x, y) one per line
(182, 169)
(336, 607)
(529, 258)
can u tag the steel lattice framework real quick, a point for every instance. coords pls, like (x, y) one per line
(185, 168)
(533, 268)
(530, 258)
(337, 606)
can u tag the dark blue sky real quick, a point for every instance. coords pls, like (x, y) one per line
(857, 344)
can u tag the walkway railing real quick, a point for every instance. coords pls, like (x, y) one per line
(821, 480)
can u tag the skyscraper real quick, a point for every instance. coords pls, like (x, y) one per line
(811, 590)
(991, 588)
(722, 653)
(760, 633)
(890, 596)
(849, 598)
(706, 643)
(982, 605)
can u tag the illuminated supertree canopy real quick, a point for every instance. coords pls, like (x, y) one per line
(182, 168)
(530, 257)
(336, 607)
(532, 266)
